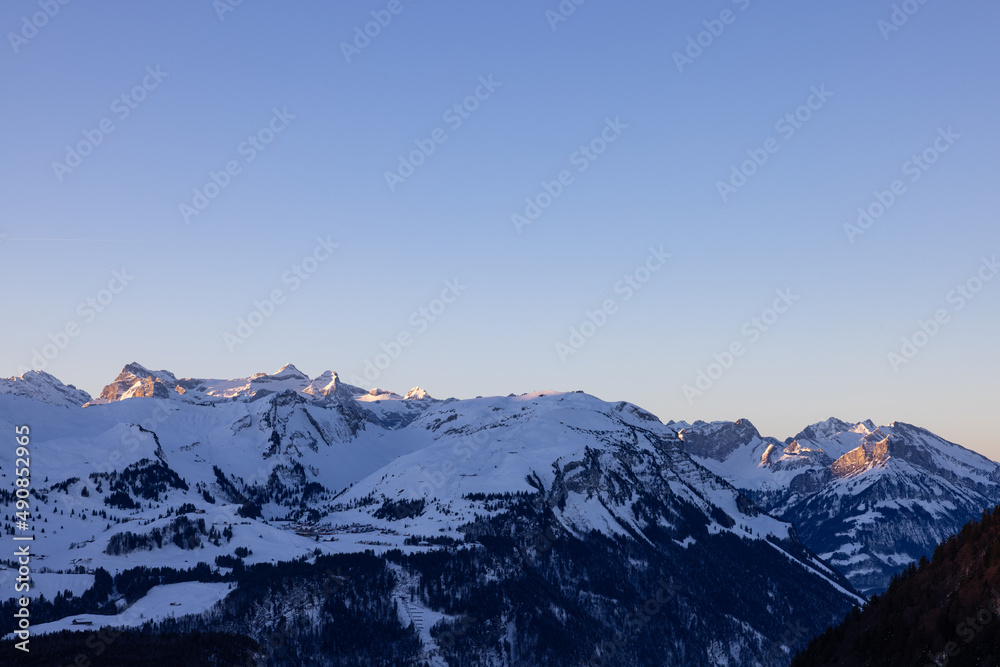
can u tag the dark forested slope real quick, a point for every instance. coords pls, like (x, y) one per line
(945, 611)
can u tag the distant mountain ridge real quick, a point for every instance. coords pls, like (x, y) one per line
(870, 499)
(40, 386)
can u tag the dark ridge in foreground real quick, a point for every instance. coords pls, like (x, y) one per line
(945, 611)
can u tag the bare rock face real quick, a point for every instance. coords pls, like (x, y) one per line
(136, 381)
(861, 459)
(719, 440)
(765, 458)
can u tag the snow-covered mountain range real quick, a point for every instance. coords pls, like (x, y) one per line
(575, 511)
(869, 499)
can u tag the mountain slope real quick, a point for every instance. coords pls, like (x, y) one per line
(606, 511)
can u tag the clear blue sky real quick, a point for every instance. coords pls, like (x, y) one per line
(189, 278)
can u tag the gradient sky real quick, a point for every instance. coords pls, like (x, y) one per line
(323, 176)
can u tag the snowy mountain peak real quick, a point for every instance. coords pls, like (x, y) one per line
(825, 429)
(325, 385)
(41, 386)
(417, 394)
(137, 369)
(290, 371)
